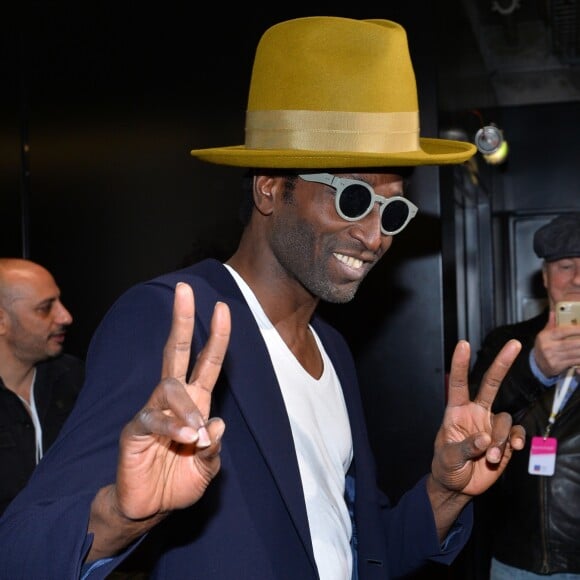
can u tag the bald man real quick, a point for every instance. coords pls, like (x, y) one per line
(38, 383)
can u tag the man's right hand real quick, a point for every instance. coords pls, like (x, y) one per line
(169, 452)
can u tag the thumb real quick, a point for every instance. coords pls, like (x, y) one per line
(551, 320)
(474, 446)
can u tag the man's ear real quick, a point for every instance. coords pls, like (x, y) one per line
(263, 197)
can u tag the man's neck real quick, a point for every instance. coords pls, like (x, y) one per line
(18, 378)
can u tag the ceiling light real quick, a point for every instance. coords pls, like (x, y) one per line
(490, 142)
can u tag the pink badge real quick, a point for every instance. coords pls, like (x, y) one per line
(543, 456)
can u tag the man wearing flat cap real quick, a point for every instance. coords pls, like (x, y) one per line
(289, 490)
(536, 502)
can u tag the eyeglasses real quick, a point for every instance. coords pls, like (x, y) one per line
(355, 199)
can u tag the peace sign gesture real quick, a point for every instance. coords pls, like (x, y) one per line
(473, 446)
(169, 452)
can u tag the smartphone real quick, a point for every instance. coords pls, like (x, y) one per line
(567, 312)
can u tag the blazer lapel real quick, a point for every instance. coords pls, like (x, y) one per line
(254, 386)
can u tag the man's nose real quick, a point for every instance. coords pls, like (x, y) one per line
(368, 229)
(63, 316)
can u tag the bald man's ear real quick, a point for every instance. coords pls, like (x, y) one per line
(263, 198)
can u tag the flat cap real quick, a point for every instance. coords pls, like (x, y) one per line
(559, 238)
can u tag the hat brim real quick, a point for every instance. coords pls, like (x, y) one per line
(433, 152)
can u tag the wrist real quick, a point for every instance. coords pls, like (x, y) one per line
(112, 530)
(446, 504)
(442, 495)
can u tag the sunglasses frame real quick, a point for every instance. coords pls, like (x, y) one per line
(339, 184)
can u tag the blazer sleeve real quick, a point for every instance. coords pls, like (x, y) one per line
(412, 537)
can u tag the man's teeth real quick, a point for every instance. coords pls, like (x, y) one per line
(349, 261)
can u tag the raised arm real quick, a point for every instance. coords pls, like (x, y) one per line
(473, 446)
(169, 452)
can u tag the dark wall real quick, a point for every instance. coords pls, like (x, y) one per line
(542, 169)
(108, 105)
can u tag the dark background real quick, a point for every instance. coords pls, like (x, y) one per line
(102, 103)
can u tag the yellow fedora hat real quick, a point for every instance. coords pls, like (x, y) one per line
(331, 92)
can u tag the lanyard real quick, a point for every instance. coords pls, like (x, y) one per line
(560, 394)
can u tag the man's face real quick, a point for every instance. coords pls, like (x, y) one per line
(328, 255)
(34, 320)
(562, 280)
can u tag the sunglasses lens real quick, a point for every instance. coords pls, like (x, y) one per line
(395, 215)
(354, 201)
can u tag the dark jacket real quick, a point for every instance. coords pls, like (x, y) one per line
(251, 524)
(57, 384)
(520, 387)
(535, 524)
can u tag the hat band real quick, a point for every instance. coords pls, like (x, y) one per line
(333, 131)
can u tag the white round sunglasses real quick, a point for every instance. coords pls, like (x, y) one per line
(355, 199)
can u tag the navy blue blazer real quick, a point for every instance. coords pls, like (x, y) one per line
(252, 522)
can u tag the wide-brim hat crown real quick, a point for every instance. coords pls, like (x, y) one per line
(330, 92)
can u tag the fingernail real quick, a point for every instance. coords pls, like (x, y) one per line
(494, 455)
(189, 434)
(203, 437)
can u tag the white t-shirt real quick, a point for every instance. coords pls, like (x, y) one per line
(323, 443)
